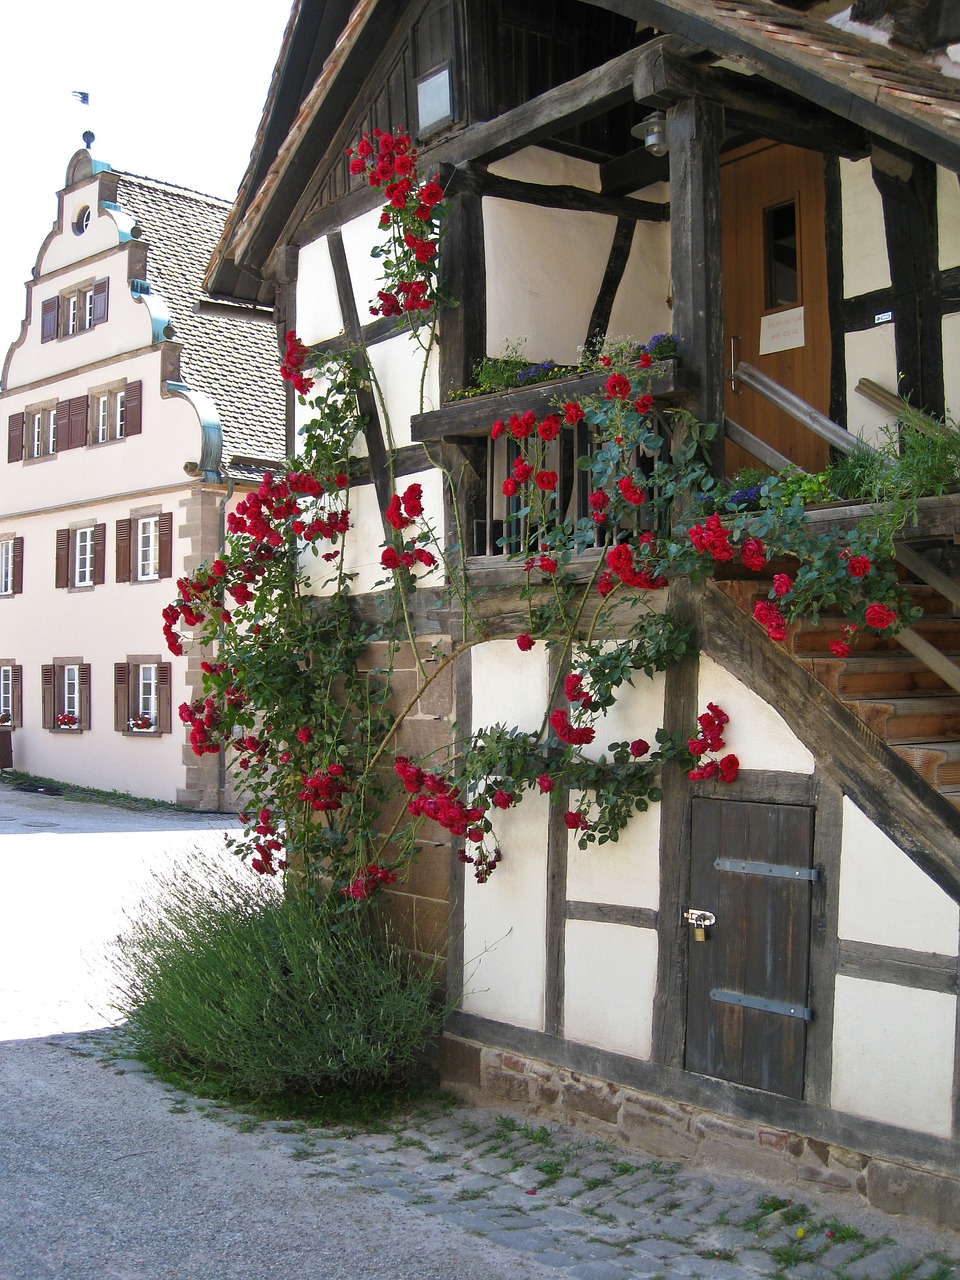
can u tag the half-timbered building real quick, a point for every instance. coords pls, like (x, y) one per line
(778, 185)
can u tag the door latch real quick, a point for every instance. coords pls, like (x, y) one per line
(701, 921)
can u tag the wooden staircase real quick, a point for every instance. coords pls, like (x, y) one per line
(895, 694)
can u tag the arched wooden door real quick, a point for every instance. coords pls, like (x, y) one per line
(775, 292)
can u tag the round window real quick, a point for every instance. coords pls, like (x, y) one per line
(81, 221)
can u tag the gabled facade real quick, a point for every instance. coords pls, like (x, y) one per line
(798, 222)
(130, 421)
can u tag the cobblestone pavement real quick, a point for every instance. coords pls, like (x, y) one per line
(588, 1209)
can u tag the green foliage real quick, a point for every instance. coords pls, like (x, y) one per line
(495, 374)
(230, 982)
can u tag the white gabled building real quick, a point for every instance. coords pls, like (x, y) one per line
(132, 417)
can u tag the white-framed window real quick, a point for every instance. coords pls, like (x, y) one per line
(148, 548)
(120, 414)
(142, 695)
(86, 302)
(101, 409)
(71, 694)
(83, 557)
(75, 310)
(6, 567)
(40, 431)
(11, 679)
(73, 313)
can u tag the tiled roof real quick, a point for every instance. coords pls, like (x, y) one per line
(235, 361)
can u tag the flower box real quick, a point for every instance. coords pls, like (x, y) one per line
(475, 417)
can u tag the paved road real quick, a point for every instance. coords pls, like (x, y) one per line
(106, 1174)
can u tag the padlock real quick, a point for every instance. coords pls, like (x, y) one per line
(699, 933)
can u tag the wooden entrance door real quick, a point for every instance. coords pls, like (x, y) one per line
(747, 993)
(774, 284)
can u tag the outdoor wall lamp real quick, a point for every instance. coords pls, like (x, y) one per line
(653, 130)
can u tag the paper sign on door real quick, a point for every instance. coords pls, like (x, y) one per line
(781, 331)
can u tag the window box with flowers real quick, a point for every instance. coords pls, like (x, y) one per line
(141, 696)
(65, 695)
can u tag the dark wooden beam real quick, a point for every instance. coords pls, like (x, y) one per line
(612, 913)
(920, 970)
(749, 103)
(695, 132)
(481, 182)
(908, 191)
(463, 277)
(632, 172)
(366, 400)
(612, 277)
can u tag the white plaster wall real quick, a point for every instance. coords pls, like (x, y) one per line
(102, 625)
(509, 687)
(68, 247)
(640, 308)
(359, 237)
(626, 872)
(948, 213)
(865, 262)
(870, 353)
(504, 936)
(318, 307)
(951, 367)
(544, 268)
(551, 168)
(610, 975)
(398, 364)
(886, 898)
(757, 734)
(637, 713)
(170, 437)
(893, 1054)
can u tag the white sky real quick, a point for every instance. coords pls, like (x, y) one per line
(176, 91)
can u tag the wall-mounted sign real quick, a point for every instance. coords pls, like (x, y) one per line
(781, 331)
(883, 317)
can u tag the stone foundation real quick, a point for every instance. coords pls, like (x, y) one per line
(680, 1131)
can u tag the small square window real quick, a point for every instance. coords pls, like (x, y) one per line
(434, 100)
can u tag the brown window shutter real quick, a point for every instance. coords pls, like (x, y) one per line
(100, 291)
(77, 432)
(99, 554)
(123, 551)
(133, 409)
(63, 425)
(49, 319)
(15, 437)
(63, 558)
(18, 566)
(47, 696)
(121, 695)
(164, 710)
(83, 672)
(166, 544)
(17, 698)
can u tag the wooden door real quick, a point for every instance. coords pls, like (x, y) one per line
(774, 284)
(747, 993)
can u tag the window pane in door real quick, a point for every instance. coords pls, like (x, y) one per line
(780, 242)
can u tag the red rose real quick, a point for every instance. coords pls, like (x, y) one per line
(509, 487)
(525, 643)
(630, 492)
(522, 471)
(304, 735)
(389, 558)
(549, 428)
(880, 617)
(645, 360)
(545, 782)
(782, 584)
(547, 564)
(546, 480)
(520, 428)
(575, 821)
(605, 583)
(644, 404)
(752, 555)
(839, 649)
(503, 799)
(639, 748)
(497, 430)
(858, 566)
(393, 514)
(412, 501)
(618, 387)
(729, 768)
(572, 413)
